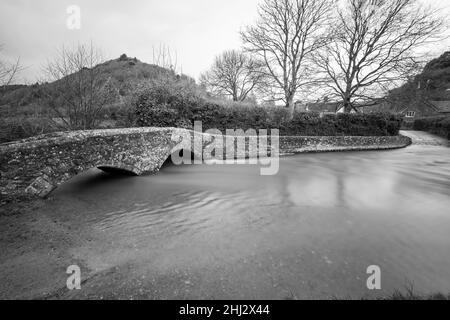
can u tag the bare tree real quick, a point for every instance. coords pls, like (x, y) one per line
(165, 58)
(374, 46)
(234, 74)
(79, 91)
(285, 37)
(8, 71)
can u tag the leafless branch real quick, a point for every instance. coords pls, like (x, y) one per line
(78, 91)
(286, 36)
(165, 58)
(234, 74)
(374, 45)
(8, 71)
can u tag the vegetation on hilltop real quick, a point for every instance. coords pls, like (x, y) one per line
(432, 84)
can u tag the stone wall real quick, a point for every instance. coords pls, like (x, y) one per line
(293, 145)
(36, 166)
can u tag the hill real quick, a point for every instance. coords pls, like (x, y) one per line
(436, 78)
(125, 73)
(432, 84)
(24, 113)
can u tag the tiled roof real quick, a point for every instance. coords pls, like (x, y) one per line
(442, 106)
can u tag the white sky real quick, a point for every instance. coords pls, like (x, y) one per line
(196, 29)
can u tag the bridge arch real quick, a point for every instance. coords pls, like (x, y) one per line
(122, 170)
(37, 166)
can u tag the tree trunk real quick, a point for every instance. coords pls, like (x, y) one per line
(290, 105)
(235, 93)
(347, 106)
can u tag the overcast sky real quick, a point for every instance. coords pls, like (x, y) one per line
(196, 29)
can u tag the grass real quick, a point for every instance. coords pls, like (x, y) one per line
(408, 294)
(411, 295)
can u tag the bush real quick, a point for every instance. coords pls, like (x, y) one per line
(436, 125)
(169, 104)
(12, 129)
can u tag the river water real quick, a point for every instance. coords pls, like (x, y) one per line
(227, 232)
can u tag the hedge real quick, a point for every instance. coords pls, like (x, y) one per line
(17, 128)
(159, 106)
(436, 125)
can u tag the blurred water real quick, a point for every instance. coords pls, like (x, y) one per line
(309, 232)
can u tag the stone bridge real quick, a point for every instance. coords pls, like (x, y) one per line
(38, 165)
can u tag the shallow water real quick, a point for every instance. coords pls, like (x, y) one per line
(309, 232)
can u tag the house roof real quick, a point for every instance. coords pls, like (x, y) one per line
(441, 106)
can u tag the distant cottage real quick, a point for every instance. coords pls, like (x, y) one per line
(426, 109)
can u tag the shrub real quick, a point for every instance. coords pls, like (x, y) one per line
(165, 103)
(437, 125)
(12, 129)
(175, 104)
